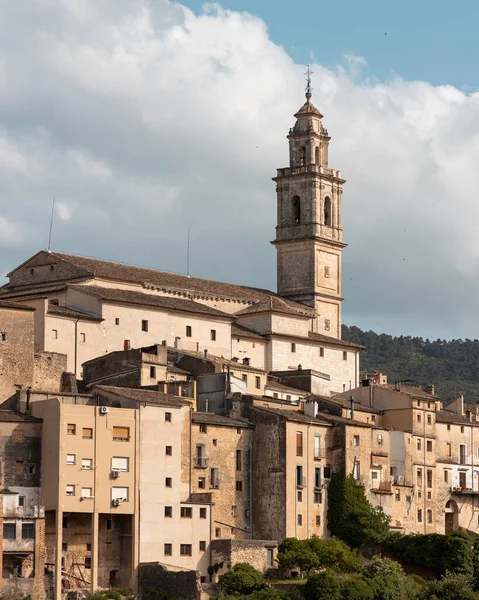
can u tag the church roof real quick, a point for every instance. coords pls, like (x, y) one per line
(308, 108)
(277, 304)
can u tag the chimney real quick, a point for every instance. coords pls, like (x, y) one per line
(430, 389)
(468, 414)
(459, 402)
(300, 367)
(163, 342)
(126, 345)
(246, 361)
(351, 402)
(206, 352)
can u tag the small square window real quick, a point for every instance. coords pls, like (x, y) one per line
(82, 338)
(419, 418)
(185, 550)
(213, 335)
(258, 382)
(449, 427)
(87, 562)
(238, 430)
(153, 372)
(201, 483)
(117, 321)
(300, 496)
(202, 513)
(168, 417)
(321, 352)
(87, 433)
(71, 459)
(168, 549)
(429, 445)
(215, 442)
(88, 547)
(345, 355)
(218, 532)
(21, 501)
(318, 520)
(462, 428)
(300, 519)
(144, 325)
(186, 512)
(239, 486)
(203, 428)
(202, 546)
(86, 492)
(293, 347)
(55, 334)
(429, 419)
(86, 464)
(169, 512)
(64, 546)
(169, 450)
(70, 490)
(9, 531)
(188, 331)
(121, 434)
(168, 482)
(71, 429)
(244, 377)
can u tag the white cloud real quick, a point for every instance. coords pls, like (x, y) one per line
(144, 119)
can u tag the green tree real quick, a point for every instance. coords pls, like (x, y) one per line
(242, 579)
(350, 516)
(388, 580)
(356, 589)
(453, 586)
(335, 554)
(323, 586)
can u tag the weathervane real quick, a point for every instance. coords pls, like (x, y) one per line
(309, 89)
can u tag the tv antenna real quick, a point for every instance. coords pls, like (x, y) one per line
(51, 225)
(188, 253)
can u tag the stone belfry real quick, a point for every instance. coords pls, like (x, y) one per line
(309, 236)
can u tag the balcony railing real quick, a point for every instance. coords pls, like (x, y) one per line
(319, 454)
(456, 489)
(382, 487)
(301, 482)
(201, 462)
(400, 480)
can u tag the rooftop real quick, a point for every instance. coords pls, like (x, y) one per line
(12, 416)
(278, 305)
(14, 305)
(221, 420)
(143, 396)
(63, 311)
(291, 415)
(242, 331)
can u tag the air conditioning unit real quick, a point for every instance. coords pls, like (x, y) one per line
(115, 473)
(104, 410)
(116, 502)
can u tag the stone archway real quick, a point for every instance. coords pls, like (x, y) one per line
(451, 517)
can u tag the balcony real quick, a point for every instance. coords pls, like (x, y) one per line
(301, 482)
(464, 491)
(319, 454)
(201, 462)
(201, 497)
(382, 487)
(401, 481)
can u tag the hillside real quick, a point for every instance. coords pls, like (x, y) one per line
(452, 366)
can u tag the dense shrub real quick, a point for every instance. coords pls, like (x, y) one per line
(350, 516)
(453, 586)
(440, 553)
(315, 553)
(388, 580)
(242, 579)
(356, 589)
(323, 586)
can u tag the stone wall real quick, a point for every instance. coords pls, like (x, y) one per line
(48, 369)
(253, 552)
(180, 585)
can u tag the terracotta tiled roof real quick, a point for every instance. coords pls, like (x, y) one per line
(413, 392)
(344, 403)
(235, 365)
(291, 415)
(448, 416)
(62, 311)
(14, 305)
(279, 387)
(242, 331)
(308, 109)
(116, 295)
(140, 395)
(12, 416)
(214, 419)
(278, 305)
(317, 337)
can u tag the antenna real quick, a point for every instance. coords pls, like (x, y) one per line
(51, 225)
(309, 89)
(188, 254)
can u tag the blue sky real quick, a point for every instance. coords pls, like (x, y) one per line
(426, 40)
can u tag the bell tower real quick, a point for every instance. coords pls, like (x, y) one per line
(309, 235)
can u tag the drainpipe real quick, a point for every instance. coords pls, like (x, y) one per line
(308, 494)
(351, 402)
(191, 448)
(251, 483)
(76, 346)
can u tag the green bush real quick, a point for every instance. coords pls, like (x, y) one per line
(356, 589)
(388, 580)
(453, 586)
(440, 553)
(350, 516)
(323, 586)
(316, 553)
(242, 579)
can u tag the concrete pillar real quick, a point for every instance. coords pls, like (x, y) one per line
(58, 553)
(94, 552)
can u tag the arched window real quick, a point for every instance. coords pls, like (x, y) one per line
(327, 211)
(316, 155)
(296, 210)
(302, 156)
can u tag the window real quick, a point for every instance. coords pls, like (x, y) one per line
(168, 511)
(397, 495)
(257, 382)
(318, 497)
(168, 549)
(418, 444)
(448, 449)
(244, 377)
(144, 325)
(202, 513)
(86, 492)
(213, 335)
(429, 445)
(462, 454)
(300, 496)
(168, 417)
(327, 211)
(21, 501)
(446, 476)
(321, 352)
(71, 459)
(356, 441)
(215, 477)
(64, 546)
(71, 429)
(275, 395)
(82, 338)
(288, 398)
(299, 476)
(429, 419)
(317, 477)
(269, 557)
(318, 521)
(188, 331)
(327, 472)
(299, 443)
(448, 427)
(201, 483)
(429, 516)
(462, 428)
(87, 433)
(153, 372)
(419, 515)
(239, 460)
(120, 463)
(317, 447)
(55, 334)
(293, 347)
(202, 546)
(70, 489)
(419, 476)
(186, 512)
(117, 321)
(203, 579)
(327, 325)
(169, 450)
(215, 442)
(296, 205)
(419, 417)
(185, 549)
(357, 470)
(203, 428)
(19, 467)
(87, 562)
(119, 493)
(345, 355)
(429, 478)
(65, 523)
(9, 531)
(374, 475)
(218, 532)
(86, 464)
(300, 519)
(88, 547)
(239, 486)
(17, 436)
(121, 434)
(168, 482)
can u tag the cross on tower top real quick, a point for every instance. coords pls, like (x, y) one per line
(308, 89)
